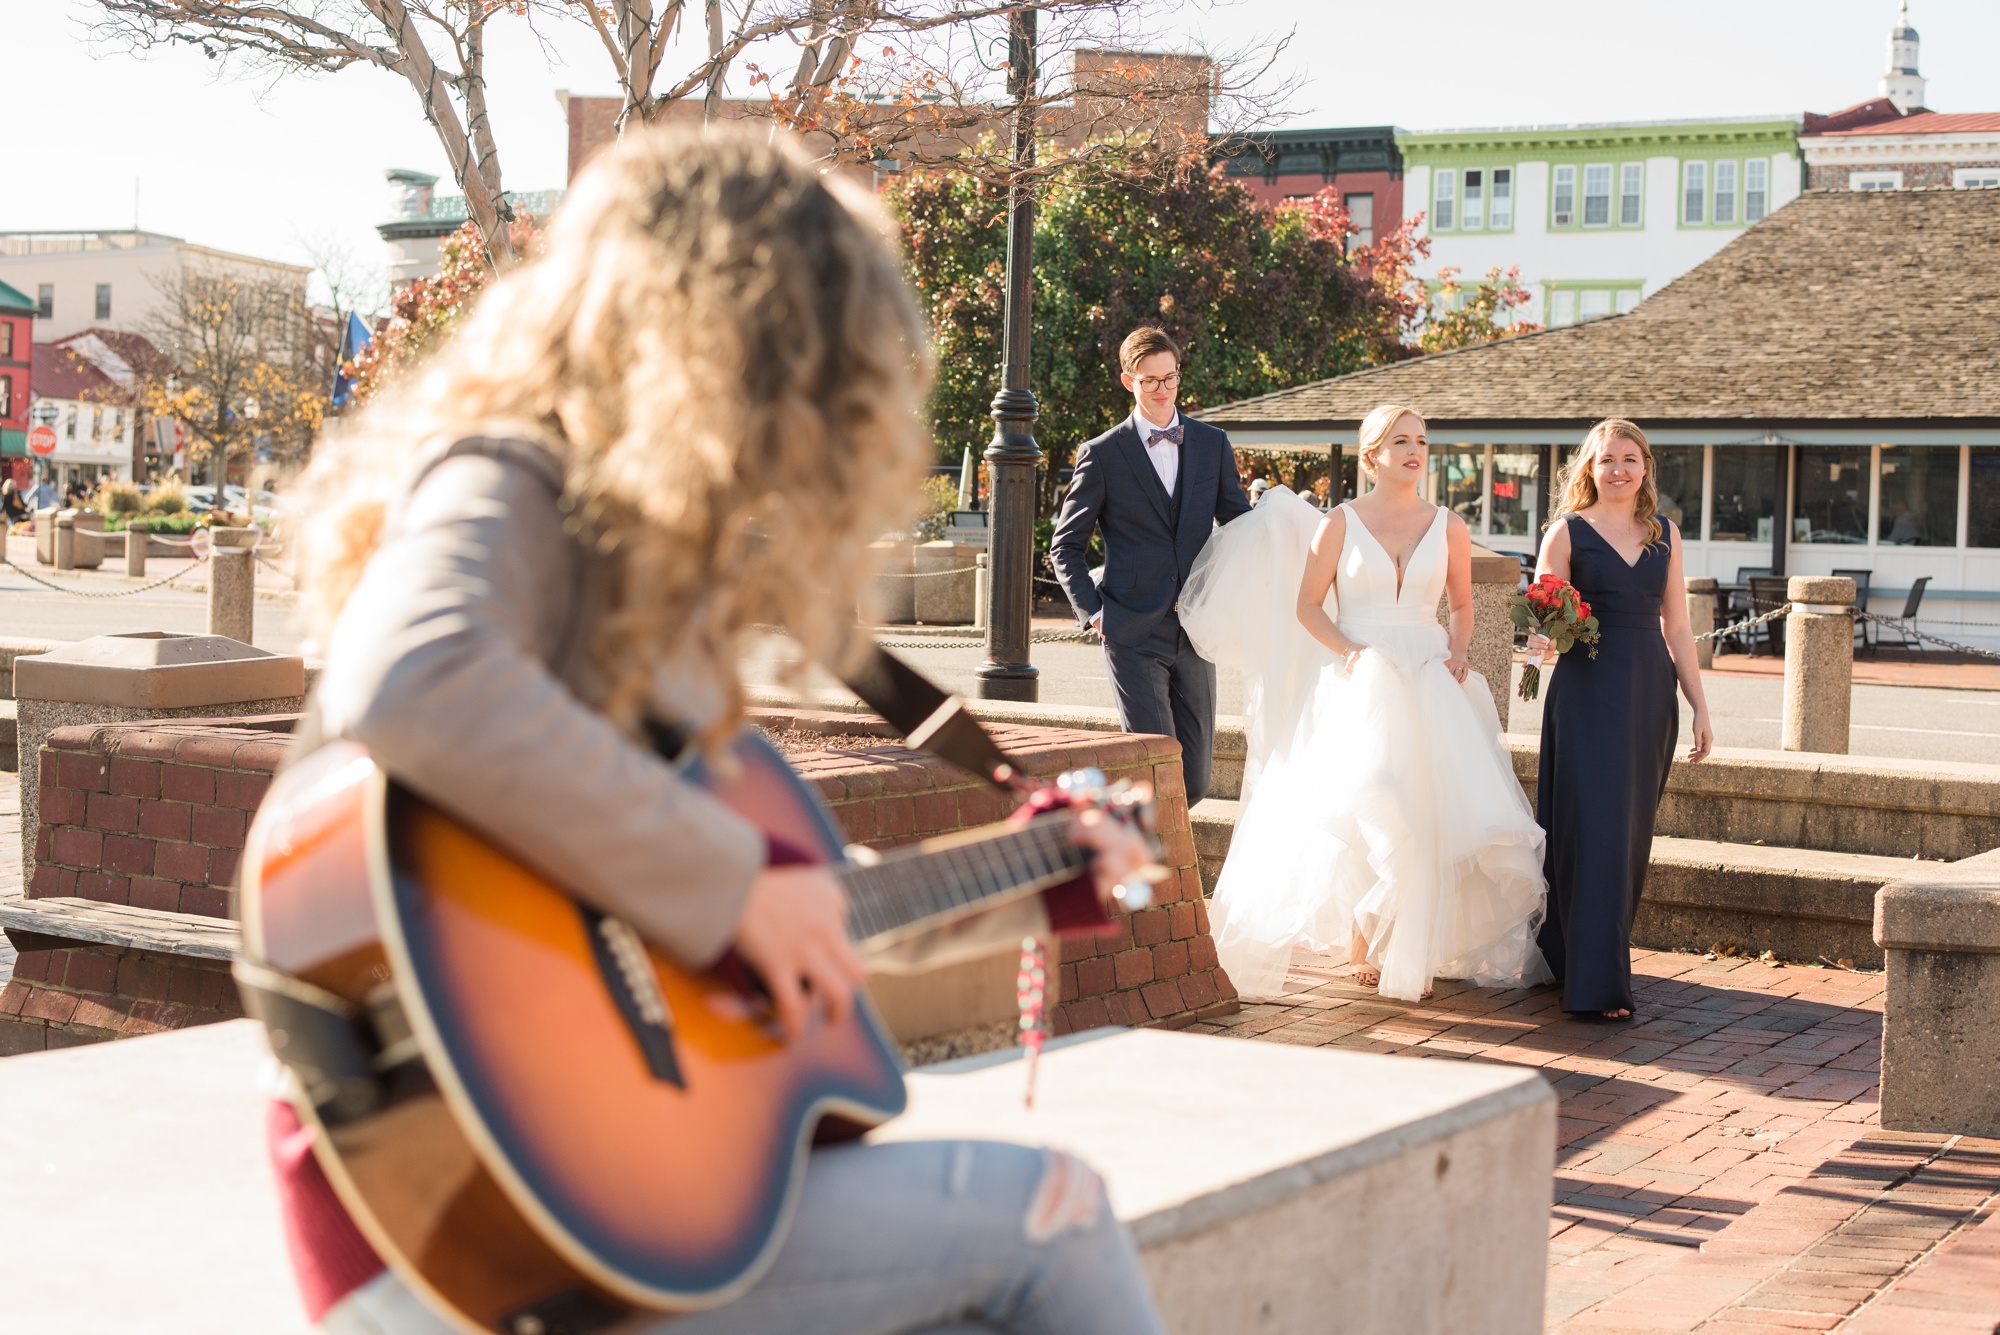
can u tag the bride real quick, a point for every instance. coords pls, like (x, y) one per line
(1381, 821)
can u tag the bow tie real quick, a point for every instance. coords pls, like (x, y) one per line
(1155, 436)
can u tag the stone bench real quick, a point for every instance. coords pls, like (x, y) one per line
(1270, 1188)
(1940, 1045)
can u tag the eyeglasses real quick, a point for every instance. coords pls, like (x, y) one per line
(1153, 384)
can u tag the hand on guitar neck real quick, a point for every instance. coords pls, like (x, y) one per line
(794, 927)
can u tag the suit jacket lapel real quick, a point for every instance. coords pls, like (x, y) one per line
(1134, 446)
(1196, 472)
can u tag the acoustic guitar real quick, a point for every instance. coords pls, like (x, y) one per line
(545, 1124)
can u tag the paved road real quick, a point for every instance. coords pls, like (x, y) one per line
(31, 612)
(1904, 721)
(1910, 722)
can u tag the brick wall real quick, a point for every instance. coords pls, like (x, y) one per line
(64, 993)
(147, 814)
(154, 815)
(1158, 967)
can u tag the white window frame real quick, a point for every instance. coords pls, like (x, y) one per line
(1632, 186)
(1472, 199)
(1757, 182)
(1975, 178)
(1694, 194)
(1564, 175)
(1874, 180)
(1500, 200)
(1557, 299)
(1600, 171)
(1444, 199)
(1718, 197)
(1584, 295)
(1625, 300)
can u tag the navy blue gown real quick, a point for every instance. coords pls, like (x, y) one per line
(1609, 726)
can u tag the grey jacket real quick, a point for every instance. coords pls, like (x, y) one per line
(462, 662)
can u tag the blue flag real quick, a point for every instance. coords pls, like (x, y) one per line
(353, 341)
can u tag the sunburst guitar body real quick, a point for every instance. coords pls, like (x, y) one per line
(545, 1125)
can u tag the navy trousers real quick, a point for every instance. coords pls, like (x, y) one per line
(1163, 686)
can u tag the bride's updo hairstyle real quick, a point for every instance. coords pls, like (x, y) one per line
(1376, 429)
(1576, 483)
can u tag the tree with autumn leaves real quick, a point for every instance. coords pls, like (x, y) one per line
(1262, 298)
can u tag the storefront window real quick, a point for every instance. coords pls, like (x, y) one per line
(1985, 509)
(1517, 491)
(1747, 482)
(1456, 480)
(1677, 475)
(1919, 496)
(1832, 494)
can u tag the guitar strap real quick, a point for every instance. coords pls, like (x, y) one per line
(921, 712)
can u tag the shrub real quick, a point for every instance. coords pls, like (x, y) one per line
(117, 498)
(167, 498)
(940, 499)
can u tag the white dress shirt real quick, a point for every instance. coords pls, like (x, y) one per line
(1165, 456)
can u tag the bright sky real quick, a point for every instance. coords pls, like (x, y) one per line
(287, 168)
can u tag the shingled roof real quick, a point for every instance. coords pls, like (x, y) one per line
(1841, 306)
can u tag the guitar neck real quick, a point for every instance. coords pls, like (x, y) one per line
(916, 887)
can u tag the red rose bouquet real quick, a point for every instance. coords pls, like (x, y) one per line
(1552, 607)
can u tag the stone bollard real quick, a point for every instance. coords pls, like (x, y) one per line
(946, 583)
(1494, 580)
(1701, 618)
(121, 678)
(1940, 936)
(1819, 664)
(232, 583)
(135, 553)
(65, 540)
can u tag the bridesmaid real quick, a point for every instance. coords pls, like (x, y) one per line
(1609, 723)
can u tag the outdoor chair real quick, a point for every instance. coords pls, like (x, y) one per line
(1767, 592)
(1735, 606)
(1904, 626)
(1864, 629)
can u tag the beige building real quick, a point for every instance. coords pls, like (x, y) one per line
(112, 280)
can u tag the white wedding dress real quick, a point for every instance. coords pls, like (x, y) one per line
(1381, 803)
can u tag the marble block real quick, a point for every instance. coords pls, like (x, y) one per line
(1282, 1189)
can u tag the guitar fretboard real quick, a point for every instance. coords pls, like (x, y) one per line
(909, 886)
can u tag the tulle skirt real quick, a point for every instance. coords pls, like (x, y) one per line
(1382, 804)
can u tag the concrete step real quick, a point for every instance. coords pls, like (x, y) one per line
(1799, 903)
(48, 924)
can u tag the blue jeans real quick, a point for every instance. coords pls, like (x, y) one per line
(932, 1237)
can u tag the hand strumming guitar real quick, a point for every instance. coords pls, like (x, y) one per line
(793, 931)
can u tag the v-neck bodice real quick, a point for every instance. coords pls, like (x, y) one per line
(1367, 585)
(1620, 593)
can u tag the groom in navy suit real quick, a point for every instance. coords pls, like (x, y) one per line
(1156, 484)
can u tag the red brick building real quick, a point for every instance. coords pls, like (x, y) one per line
(17, 341)
(1362, 163)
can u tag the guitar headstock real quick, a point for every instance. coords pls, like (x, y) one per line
(1129, 803)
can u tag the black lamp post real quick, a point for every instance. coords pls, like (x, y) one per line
(1013, 456)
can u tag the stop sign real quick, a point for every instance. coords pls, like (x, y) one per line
(42, 441)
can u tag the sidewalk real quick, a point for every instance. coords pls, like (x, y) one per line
(1892, 667)
(273, 580)
(1719, 1162)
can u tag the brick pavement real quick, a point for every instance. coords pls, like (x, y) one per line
(1720, 1165)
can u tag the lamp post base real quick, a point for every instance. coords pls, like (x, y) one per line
(1008, 681)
